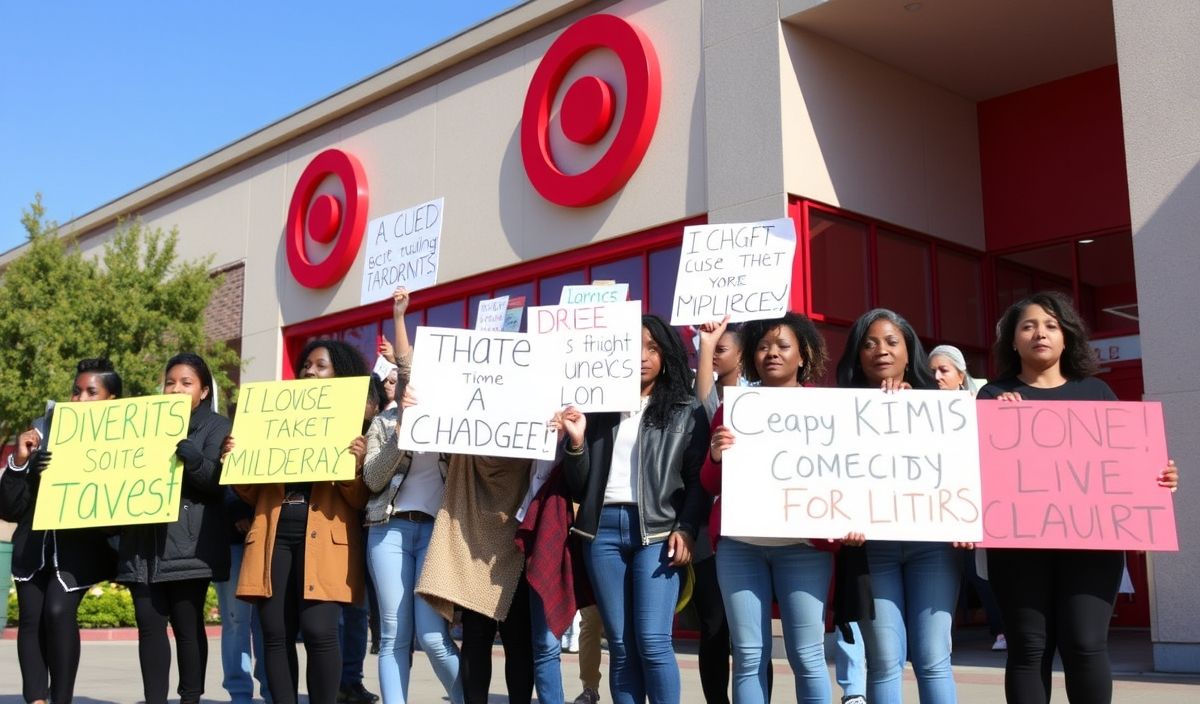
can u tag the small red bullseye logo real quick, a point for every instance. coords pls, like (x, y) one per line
(326, 219)
(587, 111)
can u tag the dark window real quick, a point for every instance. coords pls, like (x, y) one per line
(838, 249)
(623, 271)
(550, 288)
(905, 279)
(1107, 291)
(960, 298)
(664, 268)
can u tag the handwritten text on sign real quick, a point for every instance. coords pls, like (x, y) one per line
(295, 431)
(113, 463)
(402, 250)
(491, 313)
(481, 393)
(1074, 475)
(742, 270)
(601, 351)
(820, 463)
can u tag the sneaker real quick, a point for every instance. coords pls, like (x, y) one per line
(587, 696)
(356, 694)
(854, 699)
(1001, 643)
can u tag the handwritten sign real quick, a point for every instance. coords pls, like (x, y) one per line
(491, 314)
(512, 317)
(594, 294)
(741, 270)
(820, 463)
(383, 368)
(481, 393)
(113, 463)
(296, 431)
(402, 250)
(1075, 475)
(600, 347)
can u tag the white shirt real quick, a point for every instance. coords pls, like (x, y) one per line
(623, 472)
(423, 489)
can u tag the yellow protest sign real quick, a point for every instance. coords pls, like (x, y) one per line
(295, 431)
(113, 463)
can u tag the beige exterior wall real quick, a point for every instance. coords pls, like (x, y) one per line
(867, 137)
(1160, 100)
(455, 136)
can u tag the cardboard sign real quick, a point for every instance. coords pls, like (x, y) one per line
(296, 431)
(401, 249)
(820, 463)
(491, 314)
(600, 348)
(742, 270)
(594, 294)
(481, 393)
(1077, 474)
(113, 463)
(383, 368)
(512, 316)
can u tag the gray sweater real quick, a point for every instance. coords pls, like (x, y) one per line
(384, 461)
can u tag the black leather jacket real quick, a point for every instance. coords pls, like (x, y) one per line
(669, 494)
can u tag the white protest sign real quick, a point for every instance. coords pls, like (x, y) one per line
(600, 353)
(383, 368)
(491, 314)
(402, 250)
(481, 393)
(820, 463)
(596, 293)
(742, 270)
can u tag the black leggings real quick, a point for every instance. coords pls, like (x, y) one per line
(48, 638)
(182, 604)
(1056, 599)
(479, 633)
(714, 633)
(285, 614)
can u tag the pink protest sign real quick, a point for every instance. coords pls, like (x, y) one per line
(1074, 474)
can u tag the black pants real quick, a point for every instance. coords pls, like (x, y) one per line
(714, 633)
(182, 605)
(47, 638)
(287, 613)
(479, 633)
(1056, 599)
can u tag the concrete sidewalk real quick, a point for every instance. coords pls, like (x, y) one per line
(109, 673)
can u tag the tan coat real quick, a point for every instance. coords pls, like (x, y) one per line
(333, 553)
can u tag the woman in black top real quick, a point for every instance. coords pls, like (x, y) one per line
(1054, 598)
(54, 568)
(168, 565)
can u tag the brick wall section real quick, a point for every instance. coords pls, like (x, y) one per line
(223, 317)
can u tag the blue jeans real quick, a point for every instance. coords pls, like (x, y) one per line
(916, 588)
(850, 663)
(396, 554)
(798, 576)
(636, 591)
(353, 632)
(547, 652)
(241, 638)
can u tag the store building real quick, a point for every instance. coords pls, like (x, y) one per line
(940, 157)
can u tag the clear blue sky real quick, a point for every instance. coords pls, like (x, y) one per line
(99, 98)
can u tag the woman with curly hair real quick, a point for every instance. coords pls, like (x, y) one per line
(1054, 599)
(636, 478)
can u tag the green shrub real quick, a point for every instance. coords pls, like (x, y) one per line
(110, 605)
(12, 606)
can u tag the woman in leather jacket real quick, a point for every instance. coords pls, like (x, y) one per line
(636, 478)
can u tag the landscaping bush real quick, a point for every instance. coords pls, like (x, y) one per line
(110, 605)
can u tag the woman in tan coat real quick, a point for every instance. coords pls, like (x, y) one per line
(304, 555)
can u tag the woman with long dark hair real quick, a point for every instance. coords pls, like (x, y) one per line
(304, 554)
(636, 477)
(914, 583)
(52, 569)
(168, 566)
(1054, 599)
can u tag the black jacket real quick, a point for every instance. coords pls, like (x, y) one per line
(669, 494)
(81, 556)
(196, 544)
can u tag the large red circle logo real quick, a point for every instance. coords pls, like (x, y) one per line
(587, 111)
(327, 219)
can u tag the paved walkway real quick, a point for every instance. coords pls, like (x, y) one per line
(109, 674)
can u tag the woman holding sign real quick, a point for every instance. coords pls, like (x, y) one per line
(1054, 598)
(304, 554)
(784, 352)
(636, 477)
(915, 584)
(168, 566)
(52, 569)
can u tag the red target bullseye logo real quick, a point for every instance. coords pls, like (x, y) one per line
(587, 111)
(327, 219)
